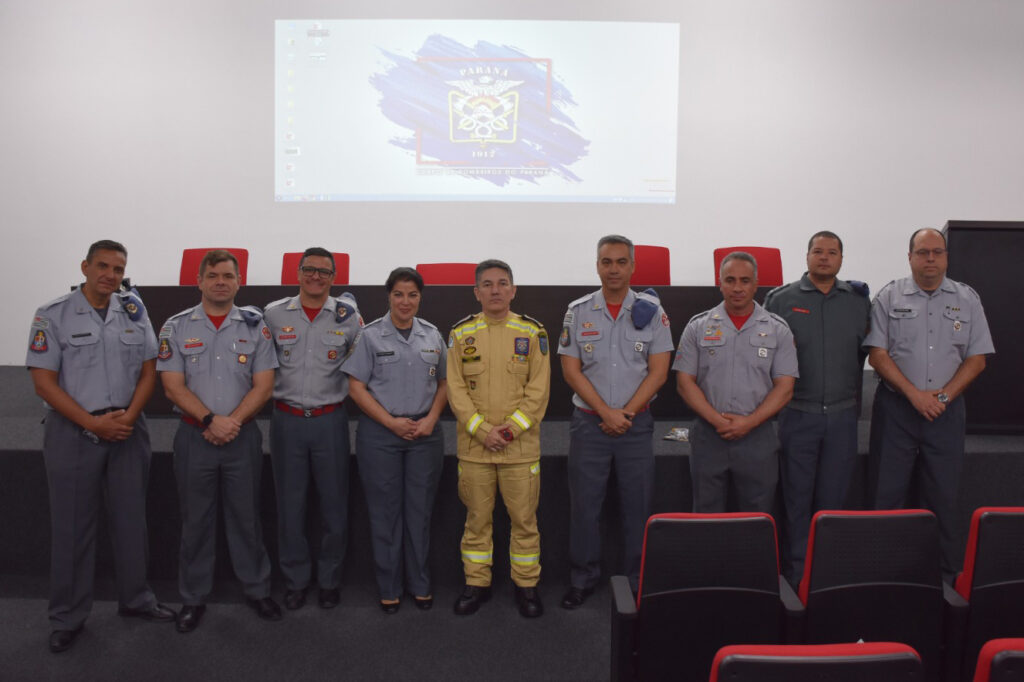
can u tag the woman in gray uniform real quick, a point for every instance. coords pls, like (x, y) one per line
(397, 373)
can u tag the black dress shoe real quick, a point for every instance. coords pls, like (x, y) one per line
(61, 640)
(157, 612)
(471, 598)
(529, 603)
(294, 599)
(189, 617)
(575, 596)
(423, 603)
(390, 608)
(266, 608)
(329, 598)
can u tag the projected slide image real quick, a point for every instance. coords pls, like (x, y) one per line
(475, 111)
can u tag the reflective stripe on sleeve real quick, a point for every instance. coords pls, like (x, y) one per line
(522, 420)
(474, 423)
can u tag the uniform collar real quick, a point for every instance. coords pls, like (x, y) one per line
(295, 303)
(599, 302)
(759, 314)
(910, 287)
(199, 314)
(388, 326)
(82, 304)
(807, 285)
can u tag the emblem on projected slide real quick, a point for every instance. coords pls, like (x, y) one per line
(483, 108)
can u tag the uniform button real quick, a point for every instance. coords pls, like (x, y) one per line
(931, 347)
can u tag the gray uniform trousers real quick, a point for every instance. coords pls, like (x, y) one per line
(300, 446)
(752, 464)
(591, 456)
(205, 471)
(898, 435)
(79, 471)
(400, 478)
(819, 452)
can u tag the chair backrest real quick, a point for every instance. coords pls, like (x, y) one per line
(769, 263)
(993, 579)
(875, 575)
(652, 266)
(1001, 660)
(290, 268)
(706, 580)
(862, 662)
(447, 273)
(191, 258)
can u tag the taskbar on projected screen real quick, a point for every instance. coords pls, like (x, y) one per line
(307, 198)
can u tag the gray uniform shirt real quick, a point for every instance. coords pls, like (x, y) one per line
(400, 374)
(735, 368)
(98, 361)
(218, 364)
(829, 330)
(310, 354)
(929, 336)
(613, 352)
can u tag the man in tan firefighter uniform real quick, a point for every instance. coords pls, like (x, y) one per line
(499, 380)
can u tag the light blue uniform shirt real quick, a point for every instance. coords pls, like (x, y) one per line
(613, 353)
(929, 337)
(218, 364)
(98, 361)
(736, 368)
(401, 374)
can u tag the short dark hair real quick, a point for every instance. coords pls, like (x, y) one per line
(105, 245)
(317, 251)
(214, 257)
(825, 234)
(924, 229)
(492, 263)
(615, 239)
(404, 274)
(738, 255)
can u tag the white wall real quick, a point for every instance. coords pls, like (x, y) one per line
(152, 123)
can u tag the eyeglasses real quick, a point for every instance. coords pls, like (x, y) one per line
(923, 253)
(309, 271)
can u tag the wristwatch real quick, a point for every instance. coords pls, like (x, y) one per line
(942, 398)
(208, 419)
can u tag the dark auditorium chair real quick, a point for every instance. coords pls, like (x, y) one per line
(290, 268)
(876, 576)
(992, 581)
(190, 259)
(1001, 660)
(769, 263)
(859, 662)
(706, 580)
(447, 273)
(652, 266)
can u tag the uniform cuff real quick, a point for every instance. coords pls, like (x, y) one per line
(474, 423)
(521, 420)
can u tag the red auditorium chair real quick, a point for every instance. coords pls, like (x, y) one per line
(190, 259)
(1001, 660)
(706, 580)
(769, 263)
(876, 576)
(992, 581)
(860, 662)
(447, 273)
(290, 268)
(652, 266)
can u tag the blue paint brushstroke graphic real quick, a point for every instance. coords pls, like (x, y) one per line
(488, 112)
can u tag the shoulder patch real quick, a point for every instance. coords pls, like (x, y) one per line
(40, 322)
(165, 331)
(569, 318)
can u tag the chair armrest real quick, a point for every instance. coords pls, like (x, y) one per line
(954, 634)
(623, 627)
(793, 613)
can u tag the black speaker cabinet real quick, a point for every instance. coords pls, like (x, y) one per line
(986, 255)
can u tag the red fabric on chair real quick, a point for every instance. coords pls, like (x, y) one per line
(652, 266)
(769, 263)
(447, 273)
(191, 258)
(290, 268)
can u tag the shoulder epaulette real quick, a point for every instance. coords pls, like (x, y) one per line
(533, 321)
(426, 324)
(377, 321)
(463, 321)
(777, 318)
(59, 299)
(582, 299)
(280, 301)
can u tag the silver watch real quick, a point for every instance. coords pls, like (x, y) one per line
(942, 398)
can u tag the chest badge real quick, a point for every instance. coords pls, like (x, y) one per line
(522, 345)
(332, 354)
(762, 352)
(287, 330)
(432, 371)
(469, 340)
(588, 347)
(957, 325)
(243, 359)
(639, 347)
(588, 325)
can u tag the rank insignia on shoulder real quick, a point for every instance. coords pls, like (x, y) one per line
(522, 345)
(164, 352)
(39, 344)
